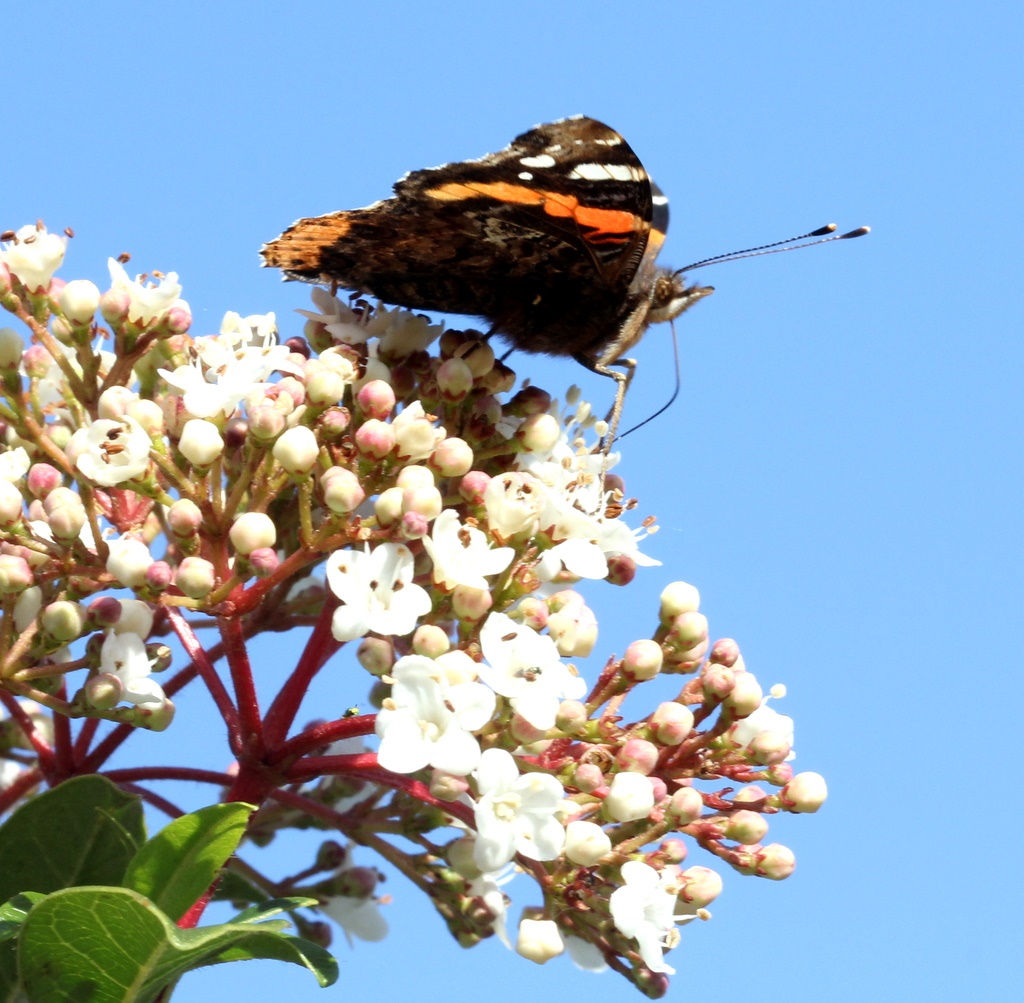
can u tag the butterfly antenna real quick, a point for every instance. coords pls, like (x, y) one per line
(825, 234)
(675, 393)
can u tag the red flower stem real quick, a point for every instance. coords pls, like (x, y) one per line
(62, 741)
(132, 774)
(364, 767)
(249, 720)
(86, 733)
(320, 646)
(323, 734)
(154, 799)
(41, 747)
(11, 795)
(205, 668)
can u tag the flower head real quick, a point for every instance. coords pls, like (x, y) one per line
(428, 722)
(33, 256)
(525, 667)
(377, 591)
(515, 813)
(462, 554)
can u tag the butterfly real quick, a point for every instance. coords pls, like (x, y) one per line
(551, 240)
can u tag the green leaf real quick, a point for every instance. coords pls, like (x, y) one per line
(83, 832)
(14, 911)
(273, 907)
(112, 945)
(181, 861)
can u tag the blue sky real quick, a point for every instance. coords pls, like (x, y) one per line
(841, 477)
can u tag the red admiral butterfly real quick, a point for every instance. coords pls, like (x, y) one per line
(552, 240)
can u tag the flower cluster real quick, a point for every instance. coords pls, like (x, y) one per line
(421, 510)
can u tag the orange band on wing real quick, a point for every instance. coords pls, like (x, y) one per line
(614, 223)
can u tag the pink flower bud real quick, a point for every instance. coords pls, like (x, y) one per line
(264, 561)
(430, 641)
(688, 630)
(251, 531)
(532, 612)
(746, 827)
(674, 851)
(177, 320)
(196, 577)
(154, 717)
(37, 361)
(524, 732)
(454, 379)
(745, 697)
(679, 597)
(642, 660)
(671, 723)
(621, 569)
(686, 806)
(473, 485)
(453, 457)
(376, 399)
(424, 501)
(375, 439)
(185, 518)
(586, 842)
(79, 300)
(375, 655)
(114, 305)
(159, 576)
(725, 651)
(64, 621)
(588, 777)
(414, 526)
(341, 490)
(530, 400)
(768, 748)
(104, 691)
(775, 861)
(471, 604)
(539, 433)
(128, 560)
(387, 506)
(629, 798)
(446, 786)
(325, 387)
(200, 442)
(572, 717)
(297, 450)
(699, 886)
(637, 755)
(266, 424)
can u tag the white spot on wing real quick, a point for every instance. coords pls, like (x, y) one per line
(524, 176)
(659, 199)
(605, 172)
(542, 161)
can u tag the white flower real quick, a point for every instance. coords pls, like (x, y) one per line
(515, 813)
(539, 940)
(377, 590)
(124, 655)
(147, 301)
(581, 558)
(525, 667)
(513, 501)
(585, 955)
(111, 451)
(14, 464)
(33, 256)
(402, 332)
(630, 797)
(644, 908)
(343, 324)
(427, 722)
(462, 554)
(358, 917)
(487, 887)
(764, 720)
(227, 367)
